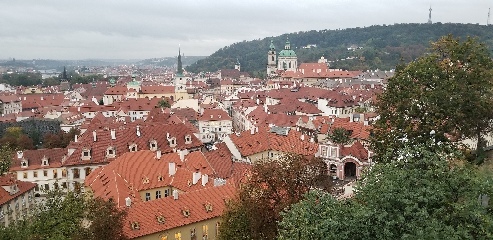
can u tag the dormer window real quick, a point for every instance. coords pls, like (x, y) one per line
(188, 139)
(44, 161)
(135, 226)
(185, 212)
(24, 163)
(111, 152)
(86, 154)
(132, 147)
(153, 145)
(172, 142)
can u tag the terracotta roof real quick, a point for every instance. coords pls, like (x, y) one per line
(358, 129)
(8, 180)
(220, 160)
(146, 214)
(35, 157)
(356, 150)
(138, 171)
(125, 135)
(263, 140)
(157, 89)
(214, 115)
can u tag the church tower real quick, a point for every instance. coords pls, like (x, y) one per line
(287, 60)
(180, 80)
(271, 59)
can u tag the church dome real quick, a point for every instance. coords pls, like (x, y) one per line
(287, 52)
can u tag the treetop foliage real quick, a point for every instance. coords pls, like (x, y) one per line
(445, 95)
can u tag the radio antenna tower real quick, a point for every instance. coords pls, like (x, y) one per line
(488, 21)
(429, 16)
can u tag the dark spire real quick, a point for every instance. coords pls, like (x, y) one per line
(180, 67)
(64, 74)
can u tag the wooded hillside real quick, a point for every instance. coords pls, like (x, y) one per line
(381, 47)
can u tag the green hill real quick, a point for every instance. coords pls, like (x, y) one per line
(380, 47)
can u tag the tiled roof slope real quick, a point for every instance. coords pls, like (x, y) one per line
(264, 140)
(34, 158)
(139, 171)
(8, 180)
(220, 160)
(146, 214)
(126, 135)
(214, 115)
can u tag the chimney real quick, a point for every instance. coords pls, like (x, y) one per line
(78, 109)
(113, 134)
(171, 168)
(20, 154)
(158, 154)
(94, 135)
(167, 135)
(351, 117)
(256, 129)
(138, 131)
(205, 179)
(302, 137)
(128, 202)
(182, 155)
(175, 194)
(258, 101)
(196, 177)
(312, 140)
(75, 138)
(252, 130)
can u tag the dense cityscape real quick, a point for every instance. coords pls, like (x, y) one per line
(300, 150)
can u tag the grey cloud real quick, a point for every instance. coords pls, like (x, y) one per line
(141, 29)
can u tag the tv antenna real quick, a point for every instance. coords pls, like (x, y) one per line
(488, 21)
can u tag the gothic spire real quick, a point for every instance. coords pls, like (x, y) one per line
(180, 67)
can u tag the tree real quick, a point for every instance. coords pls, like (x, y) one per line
(421, 194)
(16, 139)
(163, 103)
(105, 221)
(273, 185)
(445, 94)
(6, 155)
(340, 135)
(60, 139)
(69, 216)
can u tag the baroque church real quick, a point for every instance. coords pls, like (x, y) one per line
(286, 61)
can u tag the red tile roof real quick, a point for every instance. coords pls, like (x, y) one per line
(35, 157)
(263, 140)
(139, 171)
(8, 180)
(146, 214)
(214, 115)
(125, 135)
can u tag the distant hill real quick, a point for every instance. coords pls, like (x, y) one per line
(59, 64)
(379, 47)
(170, 61)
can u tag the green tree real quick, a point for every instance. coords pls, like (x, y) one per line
(69, 216)
(6, 156)
(446, 94)
(421, 194)
(273, 185)
(340, 135)
(163, 103)
(16, 139)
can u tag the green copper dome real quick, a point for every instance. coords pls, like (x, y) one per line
(272, 47)
(287, 52)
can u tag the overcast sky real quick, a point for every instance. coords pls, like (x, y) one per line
(138, 29)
